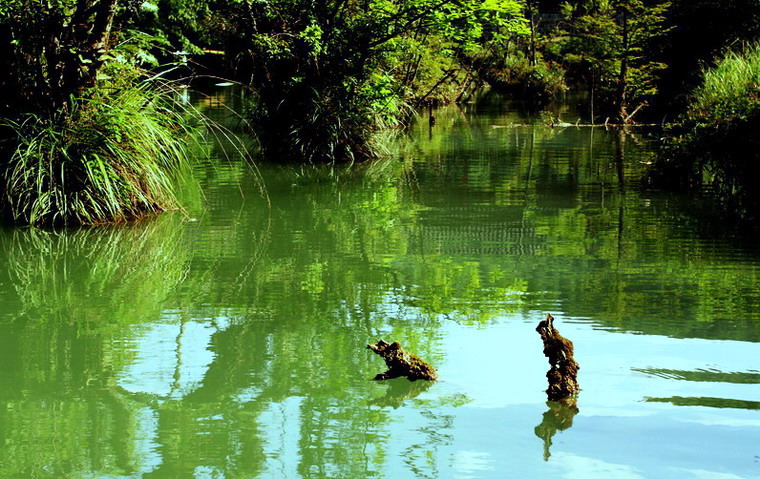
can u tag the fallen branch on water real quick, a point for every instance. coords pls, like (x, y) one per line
(583, 125)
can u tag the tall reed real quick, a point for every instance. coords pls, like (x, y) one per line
(113, 157)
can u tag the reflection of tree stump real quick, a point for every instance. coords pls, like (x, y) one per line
(558, 417)
(563, 373)
(399, 392)
(401, 363)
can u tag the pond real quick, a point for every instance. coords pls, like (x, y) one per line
(231, 341)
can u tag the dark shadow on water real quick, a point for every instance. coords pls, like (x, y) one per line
(558, 417)
(704, 375)
(400, 390)
(721, 403)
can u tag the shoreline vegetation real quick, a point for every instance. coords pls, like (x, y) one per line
(715, 144)
(116, 156)
(87, 134)
(92, 130)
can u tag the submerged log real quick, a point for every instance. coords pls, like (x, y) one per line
(401, 363)
(563, 374)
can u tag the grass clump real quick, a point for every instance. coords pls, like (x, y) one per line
(731, 90)
(715, 144)
(113, 157)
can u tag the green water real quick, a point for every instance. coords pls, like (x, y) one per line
(230, 342)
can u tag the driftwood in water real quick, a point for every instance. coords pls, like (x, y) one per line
(401, 363)
(563, 374)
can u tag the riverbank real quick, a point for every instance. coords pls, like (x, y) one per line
(715, 145)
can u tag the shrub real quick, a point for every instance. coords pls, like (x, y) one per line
(731, 90)
(716, 144)
(518, 77)
(112, 158)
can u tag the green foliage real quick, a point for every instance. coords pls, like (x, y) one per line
(89, 136)
(184, 22)
(716, 144)
(328, 76)
(51, 52)
(514, 63)
(516, 75)
(136, 49)
(440, 60)
(704, 30)
(612, 45)
(112, 158)
(731, 90)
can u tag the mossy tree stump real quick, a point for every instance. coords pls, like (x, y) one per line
(563, 374)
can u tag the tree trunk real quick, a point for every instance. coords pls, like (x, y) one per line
(79, 49)
(532, 18)
(622, 90)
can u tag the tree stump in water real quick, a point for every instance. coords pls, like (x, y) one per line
(563, 374)
(401, 363)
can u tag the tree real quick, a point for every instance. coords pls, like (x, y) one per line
(612, 46)
(51, 52)
(87, 137)
(321, 70)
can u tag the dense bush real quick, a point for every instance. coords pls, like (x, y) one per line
(716, 143)
(539, 82)
(326, 74)
(86, 135)
(111, 158)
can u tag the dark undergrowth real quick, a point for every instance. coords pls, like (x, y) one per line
(715, 146)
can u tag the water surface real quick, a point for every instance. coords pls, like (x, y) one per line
(230, 342)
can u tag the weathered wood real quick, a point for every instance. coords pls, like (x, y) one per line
(563, 374)
(401, 363)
